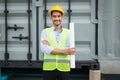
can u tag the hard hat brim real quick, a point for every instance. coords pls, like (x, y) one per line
(56, 11)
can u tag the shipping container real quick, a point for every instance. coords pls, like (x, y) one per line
(97, 33)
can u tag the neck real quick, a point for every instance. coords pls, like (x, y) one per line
(58, 27)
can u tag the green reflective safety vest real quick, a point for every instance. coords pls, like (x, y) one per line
(58, 61)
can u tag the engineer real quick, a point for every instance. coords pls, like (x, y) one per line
(55, 44)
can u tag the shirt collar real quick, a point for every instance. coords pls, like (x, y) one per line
(56, 29)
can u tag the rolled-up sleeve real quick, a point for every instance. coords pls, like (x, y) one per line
(45, 48)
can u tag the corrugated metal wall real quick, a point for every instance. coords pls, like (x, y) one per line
(83, 15)
(17, 16)
(18, 49)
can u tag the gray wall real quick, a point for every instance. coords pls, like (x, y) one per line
(109, 36)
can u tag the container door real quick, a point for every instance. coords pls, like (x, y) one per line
(17, 29)
(84, 17)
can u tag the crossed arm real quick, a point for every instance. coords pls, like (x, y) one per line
(69, 51)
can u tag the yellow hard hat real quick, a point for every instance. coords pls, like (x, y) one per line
(57, 8)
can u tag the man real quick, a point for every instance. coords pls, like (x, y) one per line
(55, 44)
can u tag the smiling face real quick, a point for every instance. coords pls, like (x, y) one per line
(56, 18)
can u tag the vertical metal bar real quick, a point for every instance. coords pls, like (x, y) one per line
(0, 73)
(37, 32)
(96, 28)
(96, 9)
(69, 8)
(29, 33)
(6, 32)
(94, 20)
(29, 25)
(69, 12)
(96, 39)
(45, 14)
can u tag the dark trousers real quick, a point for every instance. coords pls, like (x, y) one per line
(56, 75)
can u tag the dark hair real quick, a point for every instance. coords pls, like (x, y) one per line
(56, 11)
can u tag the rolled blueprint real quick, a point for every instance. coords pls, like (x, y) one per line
(72, 44)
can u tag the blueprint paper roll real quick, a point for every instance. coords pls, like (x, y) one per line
(72, 44)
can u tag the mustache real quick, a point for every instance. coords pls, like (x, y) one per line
(56, 20)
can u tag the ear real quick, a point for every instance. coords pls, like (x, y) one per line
(50, 16)
(62, 16)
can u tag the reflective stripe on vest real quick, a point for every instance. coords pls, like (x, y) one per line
(58, 61)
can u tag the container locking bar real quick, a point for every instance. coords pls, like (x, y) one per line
(69, 12)
(96, 28)
(6, 55)
(15, 27)
(45, 14)
(37, 31)
(29, 54)
(20, 37)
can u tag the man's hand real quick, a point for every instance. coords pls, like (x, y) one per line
(71, 51)
(45, 42)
